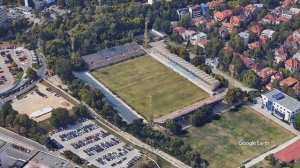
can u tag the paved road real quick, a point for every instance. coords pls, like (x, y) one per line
(137, 142)
(236, 83)
(126, 112)
(257, 108)
(13, 137)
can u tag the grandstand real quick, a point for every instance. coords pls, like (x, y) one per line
(199, 77)
(113, 55)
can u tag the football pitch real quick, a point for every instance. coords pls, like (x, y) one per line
(134, 81)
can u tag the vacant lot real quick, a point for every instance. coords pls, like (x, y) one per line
(33, 102)
(135, 80)
(218, 141)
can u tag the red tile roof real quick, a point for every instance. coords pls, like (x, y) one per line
(292, 63)
(247, 60)
(214, 3)
(266, 72)
(283, 19)
(180, 30)
(270, 17)
(255, 44)
(256, 29)
(288, 81)
(236, 20)
(289, 153)
(257, 67)
(222, 15)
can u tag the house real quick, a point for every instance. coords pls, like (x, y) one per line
(282, 106)
(220, 16)
(265, 74)
(180, 30)
(289, 81)
(209, 24)
(198, 37)
(289, 154)
(236, 20)
(268, 32)
(204, 8)
(282, 19)
(289, 2)
(245, 36)
(248, 61)
(257, 67)
(292, 42)
(277, 76)
(256, 29)
(228, 26)
(256, 44)
(214, 3)
(280, 58)
(202, 43)
(181, 12)
(194, 10)
(292, 64)
(269, 19)
(295, 11)
(297, 55)
(296, 33)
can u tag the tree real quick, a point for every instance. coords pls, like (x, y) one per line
(201, 115)
(63, 68)
(296, 121)
(80, 110)
(22, 120)
(276, 84)
(185, 21)
(176, 37)
(184, 54)
(213, 47)
(59, 117)
(31, 73)
(174, 127)
(251, 79)
(198, 60)
(234, 95)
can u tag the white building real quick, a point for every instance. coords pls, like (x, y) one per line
(268, 32)
(3, 15)
(281, 105)
(245, 36)
(198, 37)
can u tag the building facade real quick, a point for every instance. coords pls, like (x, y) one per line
(281, 105)
(3, 15)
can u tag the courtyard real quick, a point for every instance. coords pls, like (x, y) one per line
(136, 80)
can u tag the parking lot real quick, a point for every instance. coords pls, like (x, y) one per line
(97, 146)
(11, 58)
(42, 97)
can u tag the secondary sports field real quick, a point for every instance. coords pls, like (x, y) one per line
(135, 80)
(218, 141)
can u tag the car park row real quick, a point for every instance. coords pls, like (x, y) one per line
(78, 132)
(90, 139)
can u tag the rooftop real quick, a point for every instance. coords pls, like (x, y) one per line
(289, 153)
(283, 99)
(288, 81)
(42, 159)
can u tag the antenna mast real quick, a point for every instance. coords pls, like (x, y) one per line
(146, 36)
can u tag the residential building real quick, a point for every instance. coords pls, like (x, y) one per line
(228, 26)
(292, 65)
(198, 37)
(214, 3)
(3, 15)
(180, 31)
(282, 19)
(182, 12)
(281, 105)
(257, 67)
(289, 81)
(195, 11)
(248, 61)
(256, 44)
(289, 154)
(297, 55)
(268, 32)
(204, 8)
(220, 16)
(236, 20)
(296, 33)
(277, 76)
(295, 11)
(245, 36)
(256, 29)
(269, 19)
(266, 74)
